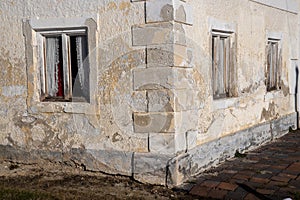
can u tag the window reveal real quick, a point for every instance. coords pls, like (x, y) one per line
(65, 73)
(273, 65)
(222, 65)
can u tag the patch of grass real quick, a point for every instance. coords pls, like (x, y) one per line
(17, 194)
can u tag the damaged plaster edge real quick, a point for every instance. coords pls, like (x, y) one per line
(103, 161)
(186, 166)
(155, 168)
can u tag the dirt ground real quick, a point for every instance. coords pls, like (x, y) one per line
(54, 181)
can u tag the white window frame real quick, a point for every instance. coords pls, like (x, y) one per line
(33, 31)
(66, 51)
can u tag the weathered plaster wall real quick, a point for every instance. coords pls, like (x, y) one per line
(153, 116)
(252, 24)
(55, 127)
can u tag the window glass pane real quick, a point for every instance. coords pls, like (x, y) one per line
(79, 67)
(54, 68)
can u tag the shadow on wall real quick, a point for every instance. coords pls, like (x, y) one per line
(296, 94)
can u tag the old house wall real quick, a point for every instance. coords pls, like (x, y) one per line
(252, 23)
(28, 125)
(152, 114)
(253, 116)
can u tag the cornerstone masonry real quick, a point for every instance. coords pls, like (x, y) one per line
(159, 90)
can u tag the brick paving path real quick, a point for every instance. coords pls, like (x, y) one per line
(270, 172)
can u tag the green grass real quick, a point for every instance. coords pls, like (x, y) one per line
(297, 196)
(17, 194)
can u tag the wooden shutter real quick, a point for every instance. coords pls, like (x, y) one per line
(215, 59)
(268, 65)
(279, 69)
(274, 65)
(227, 66)
(232, 68)
(221, 68)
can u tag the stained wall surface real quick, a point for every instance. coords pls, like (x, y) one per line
(252, 23)
(152, 112)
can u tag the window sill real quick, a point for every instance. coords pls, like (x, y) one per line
(224, 103)
(273, 94)
(64, 107)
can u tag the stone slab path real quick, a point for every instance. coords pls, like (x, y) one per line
(270, 172)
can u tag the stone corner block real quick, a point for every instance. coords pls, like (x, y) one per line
(163, 78)
(158, 33)
(153, 122)
(162, 143)
(119, 162)
(170, 55)
(172, 100)
(139, 101)
(183, 12)
(168, 10)
(175, 175)
(160, 100)
(152, 78)
(188, 99)
(166, 143)
(187, 120)
(150, 168)
(191, 138)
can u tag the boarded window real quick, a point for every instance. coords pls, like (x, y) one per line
(273, 66)
(222, 65)
(65, 70)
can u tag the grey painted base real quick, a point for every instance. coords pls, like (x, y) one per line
(160, 169)
(199, 159)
